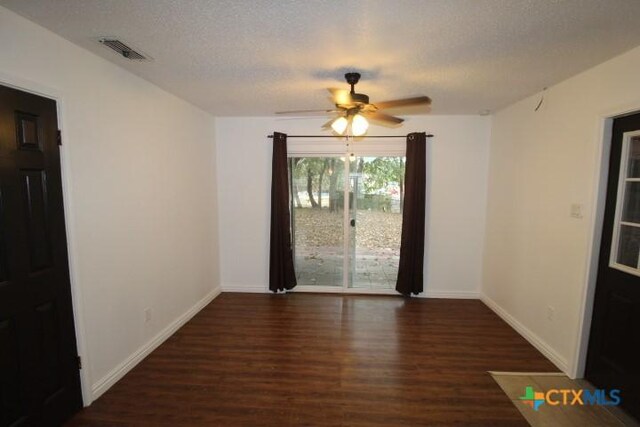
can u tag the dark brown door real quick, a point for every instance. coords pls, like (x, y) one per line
(613, 360)
(39, 376)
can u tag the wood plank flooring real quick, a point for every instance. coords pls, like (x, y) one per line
(325, 360)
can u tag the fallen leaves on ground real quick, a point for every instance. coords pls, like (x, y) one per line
(374, 229)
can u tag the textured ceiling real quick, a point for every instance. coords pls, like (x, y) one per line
(238, 57)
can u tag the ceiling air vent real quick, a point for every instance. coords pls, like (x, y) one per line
(124, 49)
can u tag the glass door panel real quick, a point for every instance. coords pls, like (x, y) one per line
(317, 218)
(376, 187)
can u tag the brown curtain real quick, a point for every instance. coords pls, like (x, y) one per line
(410, 269)
(281, 273)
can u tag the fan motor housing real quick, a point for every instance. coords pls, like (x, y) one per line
(356, 98)
(352, 78)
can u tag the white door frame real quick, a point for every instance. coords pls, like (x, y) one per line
(600, 176)
(65, 169)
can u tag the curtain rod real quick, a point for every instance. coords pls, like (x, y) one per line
(429, 135)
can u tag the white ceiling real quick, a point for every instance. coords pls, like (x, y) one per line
(255, 57)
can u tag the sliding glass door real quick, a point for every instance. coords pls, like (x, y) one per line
(346, 214)
(375, 221)
(317, 207)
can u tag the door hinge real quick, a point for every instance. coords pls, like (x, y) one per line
(79, 360)
(59, 137)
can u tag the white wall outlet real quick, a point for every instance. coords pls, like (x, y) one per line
(147, 315)
(576, 210)
(551, 313)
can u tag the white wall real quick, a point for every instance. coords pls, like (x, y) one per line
(139, 194)
(536, 255)
(455, 211)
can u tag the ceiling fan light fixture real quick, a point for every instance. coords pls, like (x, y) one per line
(352, 107)
(339, 125)
(359, 125)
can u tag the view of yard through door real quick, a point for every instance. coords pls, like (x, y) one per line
(366, 227)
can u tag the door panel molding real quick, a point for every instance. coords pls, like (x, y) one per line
(34, 182)
(28, 137)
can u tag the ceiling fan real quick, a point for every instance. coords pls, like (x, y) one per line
(354, 109)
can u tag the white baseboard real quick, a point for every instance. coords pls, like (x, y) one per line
(254, 289)
(426, 294)
(136, 357)
(450, 294)
(527, 334)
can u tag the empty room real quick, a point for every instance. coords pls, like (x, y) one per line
(319, 213)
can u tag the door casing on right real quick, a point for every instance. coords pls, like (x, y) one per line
(614, 343)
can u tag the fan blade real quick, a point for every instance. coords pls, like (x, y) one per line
(307, 112)
(328, 124)
(381, 117)
(340, 96)
(418, 100)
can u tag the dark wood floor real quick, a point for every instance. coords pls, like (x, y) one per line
(312, 360)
